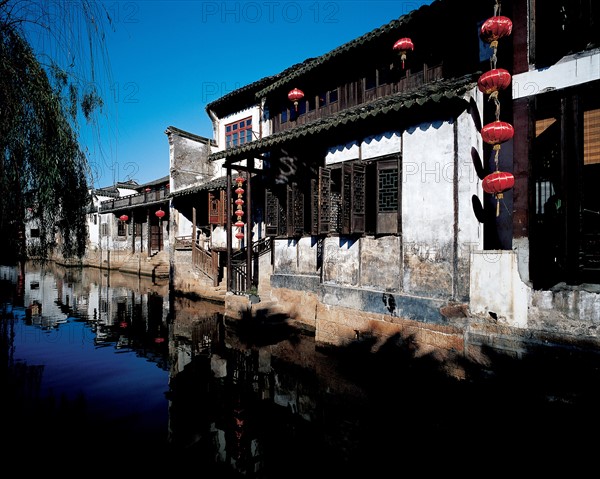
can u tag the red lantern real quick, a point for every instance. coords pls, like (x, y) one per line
(495, 28)
(239, 191)
(497, 132)
(239, 235)
(496, 184)
(295, 95)
(403, 45)
(239, 213)
(123, 218)
(160, 213)
(494, 80)
(239, 224)
(239, 202)
(148, 190)
(239, 180)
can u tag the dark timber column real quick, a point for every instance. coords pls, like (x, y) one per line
(249, 226)
(149, 233)
(133, 231)
(524, 131)
(228, 224)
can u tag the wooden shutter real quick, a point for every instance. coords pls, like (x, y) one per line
(324, 201)
(271, 214)
(216, 207)
(388, 197)
(346, 212)
(358, 199)
(295, 211)
(314, 210)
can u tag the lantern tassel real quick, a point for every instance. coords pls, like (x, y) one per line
(499, 196)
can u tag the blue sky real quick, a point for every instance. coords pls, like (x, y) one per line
(169, 59)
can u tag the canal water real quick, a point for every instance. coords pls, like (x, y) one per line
(113, 370)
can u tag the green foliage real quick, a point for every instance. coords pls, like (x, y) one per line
(43, 170)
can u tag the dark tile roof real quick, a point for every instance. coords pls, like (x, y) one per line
(431, 93)
(158, 182)
(248, 95)
(186, 134)
(244, 97)
(218, 183)
(311, 64)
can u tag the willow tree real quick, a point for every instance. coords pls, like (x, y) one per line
(44, 171)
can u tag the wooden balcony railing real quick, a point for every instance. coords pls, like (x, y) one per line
(134, 200)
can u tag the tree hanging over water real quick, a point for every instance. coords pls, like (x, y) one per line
(47, 89)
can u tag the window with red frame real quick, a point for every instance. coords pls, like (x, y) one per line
(238, 133)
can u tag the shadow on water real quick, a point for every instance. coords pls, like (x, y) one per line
(257, 398)
(284, 406)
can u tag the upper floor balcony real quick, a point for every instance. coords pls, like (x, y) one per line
(145, 198)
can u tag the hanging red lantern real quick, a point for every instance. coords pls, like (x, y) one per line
(239, 180)
(123, 218)
(160, 213)
(404, 45)
(239, 191)
(494, 80)
(497, 183)
(239, 235)
(497, 132)
(295, 95)
(148, 190)
(239, 224)
(239, 202)
(495, 28)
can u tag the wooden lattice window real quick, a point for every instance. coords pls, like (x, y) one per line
(591, 137)
(216, 207)
(275, 215)
(295, 211)
(388, 195)
(324, 213)
(341, 203)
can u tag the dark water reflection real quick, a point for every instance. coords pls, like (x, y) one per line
(118, 371)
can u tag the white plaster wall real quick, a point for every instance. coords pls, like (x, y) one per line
(427, 184)
(254, 112)
(370, 147)
(189, 164)
(496, 287)
(182, 226)
(572, 70)
(286, 256)
(93, 230)
(382, 144)
(307, 255)
(339, 153)
(341, 260)
(126, 192)
(470, 231)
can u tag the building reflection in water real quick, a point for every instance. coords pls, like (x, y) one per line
(258, 397)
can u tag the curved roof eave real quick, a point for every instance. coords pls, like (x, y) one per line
(435, 92)
(311, 64)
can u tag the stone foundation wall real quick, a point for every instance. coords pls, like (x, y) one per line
(457, 342)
